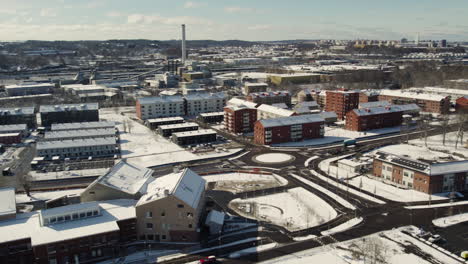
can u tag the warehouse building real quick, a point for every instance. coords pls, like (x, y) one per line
(168, 130)
(23, 115)
(282, 79)
(424, 176)
(80, 148)
(68, 113)
(287, 129)
(270, 98)
(156, 122)
(79, 134)
(341, 102)
(82, 125)
(196, 137)
(29, 89)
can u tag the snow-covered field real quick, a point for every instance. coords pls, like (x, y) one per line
(450, 220)
(45, 196)
(273, 158)
(435, 143)
(240, 182)
(295, 209)
(146, 148)
(391, 246)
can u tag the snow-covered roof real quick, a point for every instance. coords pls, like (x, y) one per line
(30, 85)
(10, 128)
(292, 120)
(76, 143)
(205, 96)
(165, 119)
(63, 134)
(270, 94)
(211, 114)
(194, 133)
(449, 167)
(161, 99)
(126, 177)
(413, 95)
(68, 107)
(409, 107)
(240, 102)
(251, 84)
(280, 105)
(326, 115)
(7, 201)
(275, 110)
(82, 125)
(28, 225)
(374, 104)
(17, 111)
(181, 125)
(185, 185)
(215, 217)
(377, 110)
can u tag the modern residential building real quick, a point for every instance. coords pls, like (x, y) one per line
(210, 118)
(287, 129)
(306, 107)
(363, 105)
(162, 106)
(79, 148)
(341, 102)
(29, 89)
(270, 97)
(68, 113)
(22, 129)
(156, 122)
(79, 134)
(82, 126)
(204, 103)
(432, 103)
(195, 137)
(374, 118)
(172, 207)
(265, 111)
(250, 87)
(24, 115)
(239, 119)
(79, 233)
(123, 181)
(366, 96)
(168, 130)
(422, 175)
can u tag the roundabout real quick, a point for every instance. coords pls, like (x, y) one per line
(273, 158)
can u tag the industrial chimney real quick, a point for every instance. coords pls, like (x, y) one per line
(184, 51)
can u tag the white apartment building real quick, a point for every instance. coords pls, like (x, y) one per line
(162, 106)
(198, 103)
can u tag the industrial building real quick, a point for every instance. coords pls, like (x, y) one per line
(270, 98)
(195, 137)
(24, 115)
(29, 89)
(287, 129)
(374, 118)
(22, 129)
(168, 130)
(424, 176)
(239, 119)
(341, 102)
(156, 122)
(80, 148)
(10, 138)
(68, 113)
(283, 79)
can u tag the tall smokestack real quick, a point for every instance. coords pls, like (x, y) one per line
(184, 51)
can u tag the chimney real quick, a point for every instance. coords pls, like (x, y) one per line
(184, 51)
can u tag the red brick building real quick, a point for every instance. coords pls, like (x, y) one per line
(422, 176)
(287, 129)
(10, 138)
(341, 102)
(427, 102)
(239, 119)
(374, 118)
(462, 104)
(270, 97)
(366, 96)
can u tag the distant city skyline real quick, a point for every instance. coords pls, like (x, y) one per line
(259, 20)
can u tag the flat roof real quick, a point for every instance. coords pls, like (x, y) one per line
(292, 120)
(212, 114)
(194, 133)
(68, 107)
(413, 95)
(14, 127)
(275, 110)
(82, 125)
(161, 99)
(17, 111)
(80, 133)
(88, 142)
(29, 85)
(163, 119)
(172, 126)
(377, 110)
(240, 102)
(374, 104)
(7, 201)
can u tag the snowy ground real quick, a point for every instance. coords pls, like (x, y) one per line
(39, 176)
(45, 196)
(337, 134)
(436, 205)
(391, 247)
(450, 220)
(343, 227)
(146, 148)
(257, 249)
(273, 158)
(435, 143)
(295, 209)
(416, 152)
(241, 182)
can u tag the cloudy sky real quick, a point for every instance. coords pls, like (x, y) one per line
(233, 19)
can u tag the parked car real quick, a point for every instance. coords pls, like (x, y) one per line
(434, 238)
(208, 260)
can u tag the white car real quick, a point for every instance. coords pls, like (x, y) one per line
(434, 238)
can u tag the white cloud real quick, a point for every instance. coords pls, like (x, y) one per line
(191, 4)
(238, 9)
(48, 12)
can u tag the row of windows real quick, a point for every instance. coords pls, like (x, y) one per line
(70, 217)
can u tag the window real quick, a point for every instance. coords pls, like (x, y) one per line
(180, 206)
(60, 219)
(163, 213)
(89, 213)
(51, 250)
(95, 212)
(163, 237)
(53, 261)
(150, 237)
(82, 215)
(149, 214)
(149, 225)
(190, 226)
(67, 218)
(75, 216)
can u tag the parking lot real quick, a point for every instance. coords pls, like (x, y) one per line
(456, 238)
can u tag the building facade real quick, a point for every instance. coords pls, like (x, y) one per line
(70, 113)
(168, 130)
(204, 103)
(270, 98)
(461, 104)
(162, 106)
(341, 102)
(196, 137)
(427, 102)
(250, 87)
(374, 118)
(239, 119)
(295, 128)
(24, 115)
(29, 89)
(80, 148)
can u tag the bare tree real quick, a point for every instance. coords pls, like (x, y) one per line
(25, 180)
(129, 125)
(370, 251)
(124, 124)
(444, 123)
(462, 120)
